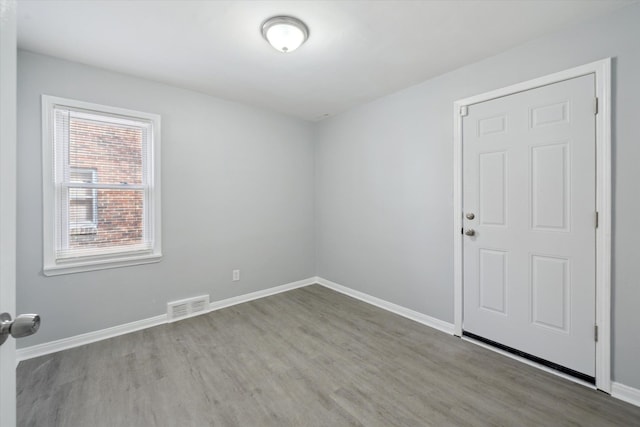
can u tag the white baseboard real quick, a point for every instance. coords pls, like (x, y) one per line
(432, 322)
(82, 339)
(626, 393)
(90, 337)
(217, 305)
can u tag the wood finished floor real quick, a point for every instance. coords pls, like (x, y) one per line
(307, 357)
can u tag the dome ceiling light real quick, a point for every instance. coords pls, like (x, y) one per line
(285, 33)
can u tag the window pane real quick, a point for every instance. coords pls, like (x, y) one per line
(80, 193)
(113, 150)
(86, 176)
(119, 220)
(81, 216)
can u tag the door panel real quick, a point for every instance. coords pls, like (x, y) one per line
(529, 180)
(493, 280)
(550, 187)
(492, 178)
(550, 285)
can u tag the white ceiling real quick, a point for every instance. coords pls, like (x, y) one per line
(357, 50)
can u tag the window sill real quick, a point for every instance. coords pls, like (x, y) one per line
(79, 266)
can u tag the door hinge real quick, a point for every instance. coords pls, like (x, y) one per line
(595, 105)
(464, 110)
(597, 219)
(595, 333)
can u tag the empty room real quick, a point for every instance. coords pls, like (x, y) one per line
(319, 213)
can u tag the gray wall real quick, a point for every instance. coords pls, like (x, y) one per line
(384, 179)
(237, 193)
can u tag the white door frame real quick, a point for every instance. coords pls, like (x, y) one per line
(602, 71)
(8, 205)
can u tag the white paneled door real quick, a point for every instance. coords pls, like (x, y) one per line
(529, 197)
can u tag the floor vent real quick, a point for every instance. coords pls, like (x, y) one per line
(178, 310)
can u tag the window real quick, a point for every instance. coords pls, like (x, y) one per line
(83, 202)
(101, 186)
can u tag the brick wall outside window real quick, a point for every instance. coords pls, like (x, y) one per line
(115, 153)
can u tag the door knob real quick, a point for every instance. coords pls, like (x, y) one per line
(470, 215)
(470, 232)
(23, 326)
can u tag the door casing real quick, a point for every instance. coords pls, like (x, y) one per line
(602, 71)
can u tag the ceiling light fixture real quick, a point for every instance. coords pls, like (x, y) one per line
(285, 33)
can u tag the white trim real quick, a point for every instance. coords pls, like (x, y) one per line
(602, 71)
(93, 265)
(432, 322)
(457, 220)
(625, 393)
(90, 337)
(603, 232)
(217, 305)
(53, 266)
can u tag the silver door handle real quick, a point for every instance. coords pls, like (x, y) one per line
(470, 216)
(470, 232)
(23, 326)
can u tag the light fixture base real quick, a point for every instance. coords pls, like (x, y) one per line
(285, 33)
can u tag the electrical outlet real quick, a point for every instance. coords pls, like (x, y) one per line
(236, 275)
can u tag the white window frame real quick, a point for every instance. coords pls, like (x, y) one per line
(53, 266)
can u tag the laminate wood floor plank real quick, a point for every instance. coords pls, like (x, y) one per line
(307, 357)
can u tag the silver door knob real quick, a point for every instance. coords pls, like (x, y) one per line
(23, 326)
(470, 215)
(470, 232)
